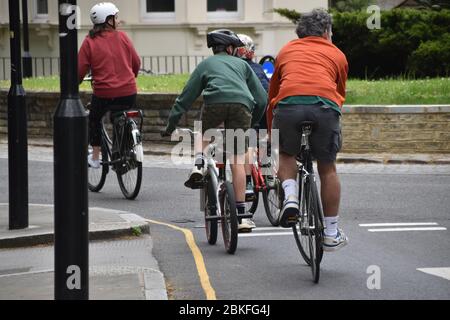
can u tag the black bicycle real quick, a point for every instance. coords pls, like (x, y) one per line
(217, 199)
(123, 153)
(309, 230)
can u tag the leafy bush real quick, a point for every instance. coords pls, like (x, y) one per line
(410, 42)
(432, 58)
(388, 51)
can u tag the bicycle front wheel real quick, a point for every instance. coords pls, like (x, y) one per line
(97, 177)
(229, 217)
(210, 203)
(308, 232)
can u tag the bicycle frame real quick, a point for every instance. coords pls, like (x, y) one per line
(119, 123)
(258, 176)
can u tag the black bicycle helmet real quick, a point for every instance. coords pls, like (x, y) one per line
(223, 37)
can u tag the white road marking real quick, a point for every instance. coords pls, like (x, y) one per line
(408, 224)
(268, 234)
(263, 229)
(438, 272)
(407, 229)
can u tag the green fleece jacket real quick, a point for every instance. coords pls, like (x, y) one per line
(221, 79)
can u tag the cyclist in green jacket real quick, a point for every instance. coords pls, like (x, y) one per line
(232, 95)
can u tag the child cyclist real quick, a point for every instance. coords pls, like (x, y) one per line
(232, 95)
(114, 65)
(247, 53)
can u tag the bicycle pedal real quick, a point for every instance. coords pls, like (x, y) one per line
(245, 230)
(250, 198)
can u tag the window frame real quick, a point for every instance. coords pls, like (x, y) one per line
(43, 17)
(226, 15)
(168, 16)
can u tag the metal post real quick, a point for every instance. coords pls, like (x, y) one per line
(26, 60)
(70, 169)
(17, 130)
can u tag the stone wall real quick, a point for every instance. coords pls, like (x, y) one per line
(366, 129)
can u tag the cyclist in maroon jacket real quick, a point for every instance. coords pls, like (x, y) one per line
(114, 64)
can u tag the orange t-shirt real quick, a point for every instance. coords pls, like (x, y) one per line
(310, 66)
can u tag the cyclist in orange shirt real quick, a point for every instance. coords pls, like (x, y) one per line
(308, 84)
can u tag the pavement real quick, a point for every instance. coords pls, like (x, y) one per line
(122, 266)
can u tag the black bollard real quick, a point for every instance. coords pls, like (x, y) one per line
(70, 169)
(17, 130)
(26, 60)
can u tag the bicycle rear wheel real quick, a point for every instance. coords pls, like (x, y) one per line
(129, 175)
(229, 217)
(273, 197)
(210, 203)
(308, 232)
(97, 177)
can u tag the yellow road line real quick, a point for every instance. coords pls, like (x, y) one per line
(198, 257)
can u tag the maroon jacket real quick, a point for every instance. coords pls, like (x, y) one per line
(114, 64)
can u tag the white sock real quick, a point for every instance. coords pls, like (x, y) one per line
(331, 224)
(290, 188)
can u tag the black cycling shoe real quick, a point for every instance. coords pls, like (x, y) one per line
(195, 180)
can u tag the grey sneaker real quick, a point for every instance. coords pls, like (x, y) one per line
(246, 225)
(289, 213)
(331, 244)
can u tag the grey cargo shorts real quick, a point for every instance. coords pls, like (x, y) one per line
(326, 138)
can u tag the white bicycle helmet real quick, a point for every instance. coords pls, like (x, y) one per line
(248, 50)
(101, 11)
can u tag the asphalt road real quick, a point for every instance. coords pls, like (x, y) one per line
(267, 265)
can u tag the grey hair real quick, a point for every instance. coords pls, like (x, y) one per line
(314, 23)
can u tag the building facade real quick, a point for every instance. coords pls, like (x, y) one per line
(167, 27)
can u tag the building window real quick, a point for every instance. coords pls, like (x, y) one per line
(40, 11)
(224, 9)
(222, 5)
(158, 10)
(160, 6)
(42, 7)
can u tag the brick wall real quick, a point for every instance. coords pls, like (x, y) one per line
(366, 129)
(396, 129)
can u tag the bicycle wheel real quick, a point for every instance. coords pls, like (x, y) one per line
(210, 203)
(128, 169)
(97, 177)
(273, 197)
(229, 217)
(308, 232)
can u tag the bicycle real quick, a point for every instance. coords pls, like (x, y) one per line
(123, 153)
(309, 229)
(217, 200)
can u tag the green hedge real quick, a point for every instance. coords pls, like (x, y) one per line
(410, 42)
